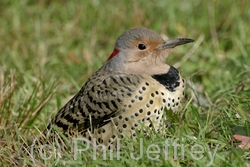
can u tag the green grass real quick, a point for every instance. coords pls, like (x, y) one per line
(50, 48)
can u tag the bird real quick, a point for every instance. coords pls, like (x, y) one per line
(130, 91)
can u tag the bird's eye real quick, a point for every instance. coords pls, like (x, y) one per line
(142, 46)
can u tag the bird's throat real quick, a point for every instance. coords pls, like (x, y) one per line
(170, 80)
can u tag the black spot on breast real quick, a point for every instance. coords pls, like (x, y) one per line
(124, 126)
(170, 79)
(129, 94)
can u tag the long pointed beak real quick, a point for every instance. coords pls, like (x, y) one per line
(174, 42)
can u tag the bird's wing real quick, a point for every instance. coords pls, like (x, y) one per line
(100, 99)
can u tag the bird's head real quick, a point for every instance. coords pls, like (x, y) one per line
(141, 51)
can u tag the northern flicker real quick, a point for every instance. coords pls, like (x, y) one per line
(129, 91)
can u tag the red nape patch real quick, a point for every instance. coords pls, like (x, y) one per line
(115, 52)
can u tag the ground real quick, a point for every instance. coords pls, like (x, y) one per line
(50, 48)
